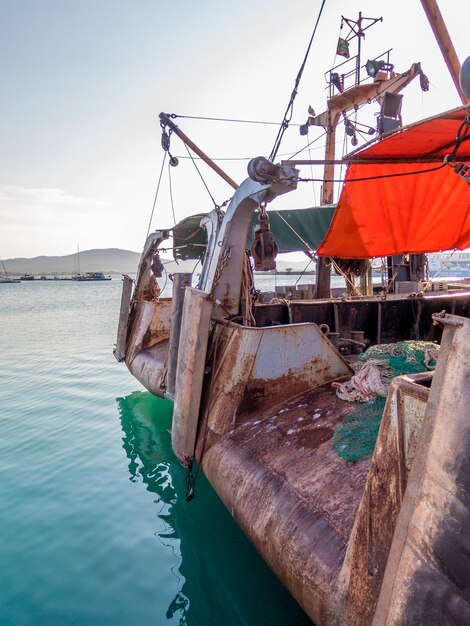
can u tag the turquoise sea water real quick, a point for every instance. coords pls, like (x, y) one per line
(94, 526)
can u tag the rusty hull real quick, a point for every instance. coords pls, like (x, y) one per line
(252, 369)
(323, 524)
(195, 324)
(147, 343)
(293, 496)
(262, 416)
(371, 537)
(427, 579)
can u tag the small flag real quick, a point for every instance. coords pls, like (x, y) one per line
(342, 49)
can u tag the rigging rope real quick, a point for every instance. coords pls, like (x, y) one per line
(225, 119)
(356, 180)
(290, 107)
(171, 192)
(303, 272)
(308, 145)
(201, 176)
(347, 280)
(312, 252)
(156, 194)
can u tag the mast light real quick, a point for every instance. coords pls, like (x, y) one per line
(374, 67)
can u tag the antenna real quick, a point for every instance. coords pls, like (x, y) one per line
(357, 29)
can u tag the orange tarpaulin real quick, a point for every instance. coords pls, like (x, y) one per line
(417, 211)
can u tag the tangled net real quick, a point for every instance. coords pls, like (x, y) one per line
(376, 367)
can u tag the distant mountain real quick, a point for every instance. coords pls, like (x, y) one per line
(108, 261)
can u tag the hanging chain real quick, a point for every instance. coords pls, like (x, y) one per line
(262, 211)
(221, 265)
(190, 483)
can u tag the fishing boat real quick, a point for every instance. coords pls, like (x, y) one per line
(88, 276)
(91, 276)
(335, 430)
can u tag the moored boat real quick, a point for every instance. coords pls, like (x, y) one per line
(5, 278)
(91, 276)
(361, 508)
(8, 279)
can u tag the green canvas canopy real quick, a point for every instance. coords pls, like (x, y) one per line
(295, 230)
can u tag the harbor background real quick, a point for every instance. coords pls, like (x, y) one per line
(95, 528)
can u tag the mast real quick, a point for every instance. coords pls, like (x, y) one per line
(357, 30)
(4, 268)
(78, 259)
(385, 80)
(166, 121)
(445, 43)
(323, 272)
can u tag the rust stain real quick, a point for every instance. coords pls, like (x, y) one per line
(261, 394)
(380, 505)
(292, 495)
(310, 439)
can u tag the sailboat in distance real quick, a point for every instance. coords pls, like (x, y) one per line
(88, 276)
(4, 278)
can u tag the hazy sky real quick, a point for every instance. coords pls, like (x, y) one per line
(84, 81)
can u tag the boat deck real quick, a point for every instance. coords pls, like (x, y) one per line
(294, 497)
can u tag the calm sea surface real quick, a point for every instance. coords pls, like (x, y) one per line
(94, 527)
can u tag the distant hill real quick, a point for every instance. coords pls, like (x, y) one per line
(108, 261)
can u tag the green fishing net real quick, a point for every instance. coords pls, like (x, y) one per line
(355, 438)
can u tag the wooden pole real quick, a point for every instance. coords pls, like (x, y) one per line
(168, 122)
(445, 43)
(323, 282)
(180, 282)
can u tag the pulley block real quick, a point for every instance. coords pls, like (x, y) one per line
(157, 266)
(264, 248)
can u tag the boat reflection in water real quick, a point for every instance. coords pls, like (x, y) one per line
(220, 577)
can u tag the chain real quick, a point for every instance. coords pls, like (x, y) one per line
(221, 265)
(190, 483)
(262, 210)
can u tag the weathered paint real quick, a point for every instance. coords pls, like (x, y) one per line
(123, 325)
(146, 355)
(264, 422)
(254, 368)
(361, 576)
(225, 266)
(293, 496)
(149, 367)
(194, 335)
(150, 325)
(180, 282)
(427, 576)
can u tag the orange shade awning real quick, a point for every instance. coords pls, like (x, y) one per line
(398, 197)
